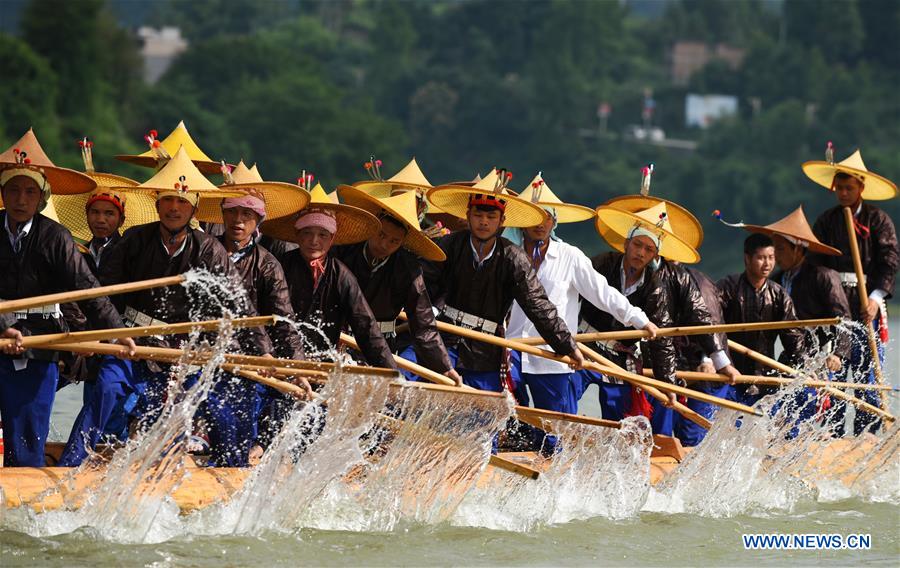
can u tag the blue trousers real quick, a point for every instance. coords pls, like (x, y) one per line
(483, 380)
(614, 398)
(151, 389)
(692, 434)
(860, 360)
(26, 400)
(104, 406)
(231, 411)
(555, 391)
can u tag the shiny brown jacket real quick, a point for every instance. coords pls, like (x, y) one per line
(141, 255)
(817, 293)
(691, 349)
(336, 304)
(49, 262)
(398, 285)
(488, 292)
(741, 303)
(267, 288)
(878, 250)
(652, 297)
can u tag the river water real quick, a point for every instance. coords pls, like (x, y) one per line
(702, 523)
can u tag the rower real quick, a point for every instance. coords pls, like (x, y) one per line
(645, 234)
(38, 257)
(232, 409)
(750, 297)
(323, 290)
(107, 380)
(854, 186)
(169, 247)
(388, 270)
(566, 274)
(484, 273)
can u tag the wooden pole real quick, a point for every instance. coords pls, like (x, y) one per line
(618, 373)
(695, 376)
(406, 364)
(88, 293)
(48, 340)
(688, 330)
(778, 366)
(679, 407)
(864, 300)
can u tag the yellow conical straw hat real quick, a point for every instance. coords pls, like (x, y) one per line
(180, 175)
(454, 199)
(654, 219)
(178, 138)
(140, 208)
(63, 181)
(683, 223)
(281, 199)
(354, 225)
(796, 228)
(539, 192)
(409, 178)
(877, 188)
(401, 207)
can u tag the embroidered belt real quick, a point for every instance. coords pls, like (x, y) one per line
(848, 278)
(134, 318)
(47, 312)
(469, 321)
(388, 327)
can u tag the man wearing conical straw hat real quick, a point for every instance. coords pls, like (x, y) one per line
(484, 273)
(323, 290)
(38, 257)
(168, 247)
(750, 297)
(97, 218)
(645, 235)
(388, 270)
(855, 187)
(567, 275)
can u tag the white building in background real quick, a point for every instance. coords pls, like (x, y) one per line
(160, 48)
(703, 110)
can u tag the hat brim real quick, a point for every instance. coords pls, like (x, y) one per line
(877, 188)
(454, 199)
(382, 189)
(207, 167)
(416, 241)
(63, 181)
(812, 246)
(569, 213)
(282, 199)
(620, 222)
(354, 225)
(683, 222)
(140, 208)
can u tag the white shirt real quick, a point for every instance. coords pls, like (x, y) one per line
(566, 273)
(24, 229)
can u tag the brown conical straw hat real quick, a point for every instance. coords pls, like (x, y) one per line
(63, 181)
(877, 188)
(178, 138)
(683, 223)
(282, 199)
(454, 199)
(180, 175)
(401, 207)
(796, 228)
(354, 225)
(654, 219)
(538, 192)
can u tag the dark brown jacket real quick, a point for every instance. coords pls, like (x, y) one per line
(693, 348)
(652, 297)
(398, 285)
(141, 255)
(688, 307)
(336, 304)
(817, 293)
(741, 303)
(49, 262)
(267, 288)
(878, 250)
(488, 292)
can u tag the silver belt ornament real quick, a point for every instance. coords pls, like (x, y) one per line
(134, 318)
(469, 321)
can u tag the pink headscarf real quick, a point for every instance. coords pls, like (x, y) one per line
(324, 219)
(251, 202)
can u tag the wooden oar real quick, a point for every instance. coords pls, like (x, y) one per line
(281, 386)
(864, 301)
(696, 376)
(779, 366)
(525, 413)
(678, 407)
(87, 293)
(48, 340)
(618, 373)
(687, 330)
